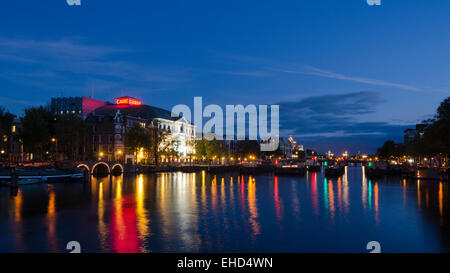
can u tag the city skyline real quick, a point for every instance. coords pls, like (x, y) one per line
(332, 94)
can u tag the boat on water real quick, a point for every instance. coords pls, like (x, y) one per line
(290, 168)
(430, 173)
(313, 166)
(34, 175)
(334, 171)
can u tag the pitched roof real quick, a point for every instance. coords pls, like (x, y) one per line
(141, 111)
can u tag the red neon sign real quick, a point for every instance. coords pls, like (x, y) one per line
(128, 101)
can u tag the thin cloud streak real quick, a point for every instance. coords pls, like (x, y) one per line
(245, 73)
(313, 71)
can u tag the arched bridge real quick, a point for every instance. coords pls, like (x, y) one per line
(94, 167)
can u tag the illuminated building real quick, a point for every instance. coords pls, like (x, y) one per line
(110, 123)
(286, 147)
(11, 145)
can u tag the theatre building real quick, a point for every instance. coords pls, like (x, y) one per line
(110, 123)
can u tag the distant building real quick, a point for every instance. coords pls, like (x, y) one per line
(14, 148)
(81, 106)
(411, 135)
(286, 147)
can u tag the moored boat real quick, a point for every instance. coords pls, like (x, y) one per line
(27, 176)
(334, 171)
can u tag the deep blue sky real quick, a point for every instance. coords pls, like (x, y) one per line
(347, 75)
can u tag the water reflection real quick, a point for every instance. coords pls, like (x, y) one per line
(123, 225)
(17, 222)
(346, 192)
(253, 208)
(277, 199)
(376, 201)
(102, 228)
(314, 196)
(141, 213)
(331, 198)
(51, 220)
(177, 212)
(364, 188)
(441, 201)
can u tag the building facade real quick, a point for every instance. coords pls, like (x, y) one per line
(110, 123)
(81, 106)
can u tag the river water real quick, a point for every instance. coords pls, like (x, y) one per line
(200, 212)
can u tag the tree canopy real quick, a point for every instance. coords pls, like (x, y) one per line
(434, 142)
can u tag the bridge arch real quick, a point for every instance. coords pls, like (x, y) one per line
(84, 166)
(115, 166)
(100, 163)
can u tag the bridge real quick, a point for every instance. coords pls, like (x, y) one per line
(104, 167)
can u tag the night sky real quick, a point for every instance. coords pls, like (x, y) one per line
(345, 74)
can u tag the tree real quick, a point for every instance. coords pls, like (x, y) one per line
(435, 141)
(389, 149)
(214, 148)
(6, 120)
(209, 148)
(160, 143)
(250, 147)
(37, 130)
(437, 133)
(443, 111)
(137, 138)
(200, 148)
(70, 132)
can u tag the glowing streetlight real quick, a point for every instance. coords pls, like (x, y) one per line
(54, 140)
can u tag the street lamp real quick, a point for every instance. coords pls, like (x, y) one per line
(54, 140)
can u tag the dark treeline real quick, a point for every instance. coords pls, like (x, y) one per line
(216, 149)
(435, 142)
(6, 120)
(41, 133)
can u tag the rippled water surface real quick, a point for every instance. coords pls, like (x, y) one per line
(199, 212)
